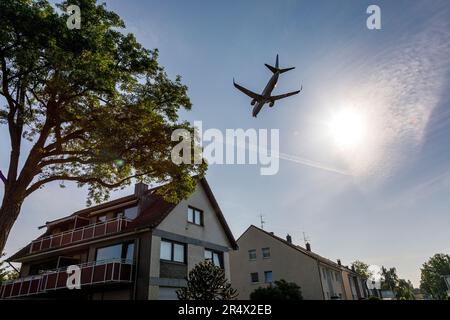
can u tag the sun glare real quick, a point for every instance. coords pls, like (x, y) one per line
(347, 128)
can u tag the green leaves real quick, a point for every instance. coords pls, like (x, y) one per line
(362, 269)
(207, 282)
(6, 273)
(432, 282)
(98, 107)
(280, 290)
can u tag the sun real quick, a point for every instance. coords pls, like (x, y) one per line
(348, 128)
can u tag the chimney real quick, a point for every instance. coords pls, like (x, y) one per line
(289, 238)
(339, 262)
(139, 189)
(308, 247)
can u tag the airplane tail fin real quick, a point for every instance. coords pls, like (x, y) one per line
(276, 68)
(273, 69)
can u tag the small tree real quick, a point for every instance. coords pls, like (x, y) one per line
(281, 290)
(207, 282)
(362, 269)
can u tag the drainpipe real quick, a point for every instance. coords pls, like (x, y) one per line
(136, 266)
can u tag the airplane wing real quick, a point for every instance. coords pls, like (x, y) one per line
(251, 94)
(282, 96)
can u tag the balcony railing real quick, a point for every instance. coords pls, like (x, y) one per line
(88, 232)
(92, 273)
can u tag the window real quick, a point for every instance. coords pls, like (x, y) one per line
(129, 251)
(252, 254)
(178, 252)
(215, 257)
(131, 213)
(109, 253)
(266, 252)
(254, 277)
(172, 251)
(116, 252)
(195, 216)
(268, 276)
(166, 250)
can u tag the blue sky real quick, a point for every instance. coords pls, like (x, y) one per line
(392, 206)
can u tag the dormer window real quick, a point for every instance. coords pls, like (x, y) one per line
(195, 216)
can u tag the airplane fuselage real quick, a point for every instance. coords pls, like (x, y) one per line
(267, 92)
(259, 100)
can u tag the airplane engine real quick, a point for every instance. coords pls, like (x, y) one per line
(271, 104)
(253, 102)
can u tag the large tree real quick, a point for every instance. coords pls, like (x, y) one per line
(87, 105)
(389, 279)
(432, 282)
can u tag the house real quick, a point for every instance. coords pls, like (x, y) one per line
(263, 258)
(355, 287)
(136, 247)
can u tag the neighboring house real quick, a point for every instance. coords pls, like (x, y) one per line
(263, 257)
(354, 286)
(136, 247)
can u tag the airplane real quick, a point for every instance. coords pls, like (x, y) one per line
(259, 100)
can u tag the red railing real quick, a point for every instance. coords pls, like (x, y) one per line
(79, 234)
(99, 272)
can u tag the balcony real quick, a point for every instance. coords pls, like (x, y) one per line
(92, 273)
(80, 234)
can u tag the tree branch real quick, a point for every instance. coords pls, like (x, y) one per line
(77, 134)
(40, 183)
(43, 164)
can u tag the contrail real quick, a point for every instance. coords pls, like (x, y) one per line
(310, 163)
(288, 157)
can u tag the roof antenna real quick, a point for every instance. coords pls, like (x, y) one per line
(306, 239)
(261, 217)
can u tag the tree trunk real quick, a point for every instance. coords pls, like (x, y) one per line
(9, 212)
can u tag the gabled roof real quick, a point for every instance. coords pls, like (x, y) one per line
(158, 209)
(296, 247)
